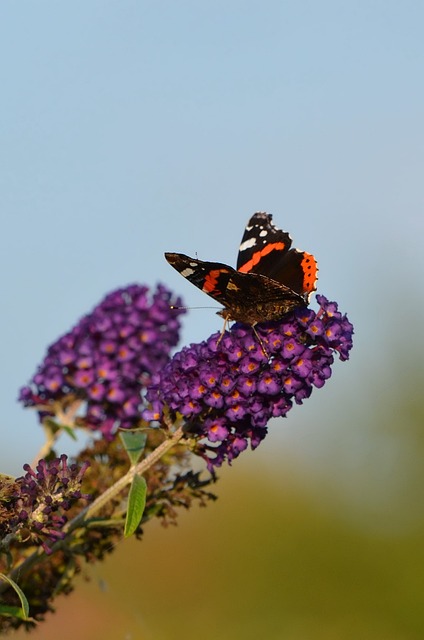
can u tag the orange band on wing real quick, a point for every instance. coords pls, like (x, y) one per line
(248, 266)
(211, 280)
(310, 270)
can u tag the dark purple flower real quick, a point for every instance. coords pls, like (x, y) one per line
(53, 379)
(41, 497)
(131, 408)
(104, 363)
(97, 391)
(217, 431)
(214, 399)
(83, 378)
(116, 395)
(236, 412)
(246, 385)
(269, 384)
(229, 386)
(106, 370)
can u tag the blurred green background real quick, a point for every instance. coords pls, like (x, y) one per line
(136, 127)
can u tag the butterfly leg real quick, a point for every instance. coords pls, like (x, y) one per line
(264, 351)
(223, 330)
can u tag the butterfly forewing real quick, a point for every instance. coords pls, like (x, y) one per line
(210, 277)
(262, 245)
(265, 249)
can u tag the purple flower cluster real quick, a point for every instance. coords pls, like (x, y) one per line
(42, 496)
(101, 366)
(228, 387)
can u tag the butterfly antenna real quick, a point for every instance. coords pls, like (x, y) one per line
(174, 306)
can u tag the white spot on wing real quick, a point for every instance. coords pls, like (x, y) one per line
(187, 272)
(247, 244)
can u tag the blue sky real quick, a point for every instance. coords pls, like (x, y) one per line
(132, 128)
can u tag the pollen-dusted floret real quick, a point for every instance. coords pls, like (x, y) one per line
(37, 504)
(228, 387)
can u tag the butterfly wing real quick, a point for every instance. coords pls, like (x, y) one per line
(211, 277)
(261, 244)
(265, 249)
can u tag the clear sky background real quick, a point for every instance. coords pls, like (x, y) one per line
(132, 128)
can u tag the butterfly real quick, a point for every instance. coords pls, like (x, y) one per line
(270, 280)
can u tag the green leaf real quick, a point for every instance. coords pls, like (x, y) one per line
(24, 610)
(134, 443)
(12, 612)
(53, 429)
(136, 504)
(52, 426)
(69, 430)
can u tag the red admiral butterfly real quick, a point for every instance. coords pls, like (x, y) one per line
(271, 279)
